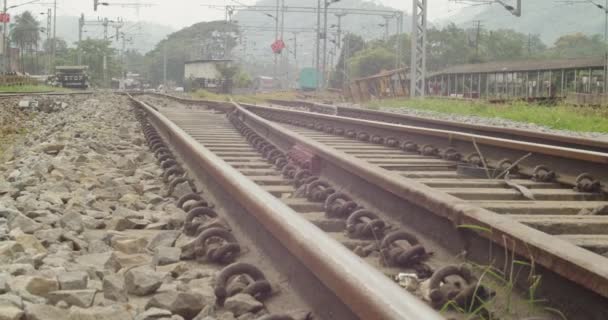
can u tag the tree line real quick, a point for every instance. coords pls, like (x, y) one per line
(452, 45)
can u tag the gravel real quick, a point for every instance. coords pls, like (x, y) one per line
(87, 230)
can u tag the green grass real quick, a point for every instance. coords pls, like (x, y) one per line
(562, 116)
(29, 88)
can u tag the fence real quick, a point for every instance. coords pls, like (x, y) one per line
(14, 80)
(587, 99)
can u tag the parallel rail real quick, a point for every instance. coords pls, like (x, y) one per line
(345, 286)
(486, 130)
(571, 267)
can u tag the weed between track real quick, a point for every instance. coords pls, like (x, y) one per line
(562, 116)
(504, 283)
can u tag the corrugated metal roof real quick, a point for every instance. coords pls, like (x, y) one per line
(207, 61)
(524, 65)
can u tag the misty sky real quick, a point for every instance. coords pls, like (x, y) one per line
(181, 13)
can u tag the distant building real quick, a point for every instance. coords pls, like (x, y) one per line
(205, 74)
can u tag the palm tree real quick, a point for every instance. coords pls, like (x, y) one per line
(26, 35)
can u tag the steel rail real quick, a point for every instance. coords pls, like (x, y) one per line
(591, 156)
(500, 132)
(573, 263)
(366, 291)
(565, 161)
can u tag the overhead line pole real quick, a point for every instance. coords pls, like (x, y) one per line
(324, 68)
(54, 33)
(418, 63)
(318, 54)
(5, 43)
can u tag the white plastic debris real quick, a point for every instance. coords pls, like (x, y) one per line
(409, 281)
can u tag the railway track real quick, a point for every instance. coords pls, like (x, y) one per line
(326, 276)
(541, 228)
(492, 131)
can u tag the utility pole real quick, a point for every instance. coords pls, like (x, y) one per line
(165, 64)
(399, 28)
(477, 24)
(339, 16)
(54, 32)
(276, 37)
(318, 53)
(48, 41)
(418, 63)
(606, 47)
(284, 65)
(80, 30)
(5, 44)
(345, 59)
(386, 25)
(105, 58)
(324, 69)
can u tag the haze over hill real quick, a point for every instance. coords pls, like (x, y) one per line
(548, 18)
(145, 35)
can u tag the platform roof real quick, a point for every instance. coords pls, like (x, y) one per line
(524, 65)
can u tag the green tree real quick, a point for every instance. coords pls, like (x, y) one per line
(206, 38)
(351, 45)
(93, 52)
(577, 45)
(26, 34)
(371, 61)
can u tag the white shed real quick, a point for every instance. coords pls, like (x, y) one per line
(204, 69)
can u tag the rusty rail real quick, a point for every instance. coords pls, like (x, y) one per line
(571, 262)
(499, 132)
(367, 292)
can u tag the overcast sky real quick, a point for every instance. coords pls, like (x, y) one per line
(181, 13)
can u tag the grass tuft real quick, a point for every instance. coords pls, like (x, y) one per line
(561, 117)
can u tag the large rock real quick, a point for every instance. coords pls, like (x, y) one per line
(34, 285)
(72, 221)
(74, 280)
(10, 312)
(130, 245)
(44, 312)
(9, 250)
(186, 304)
(4, 288)
(49, 236)
(166, 255)
(242, 303)
(143, 280)
(124, 260)
(114, 288)
(113, 312)
(154, 314)
(78, 298)
(24, 223)
(163, 239)
(99, 261)
(30, 243)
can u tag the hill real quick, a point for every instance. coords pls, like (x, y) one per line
(548, 18)
(145, 35)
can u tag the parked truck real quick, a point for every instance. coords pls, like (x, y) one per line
(72, 77)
